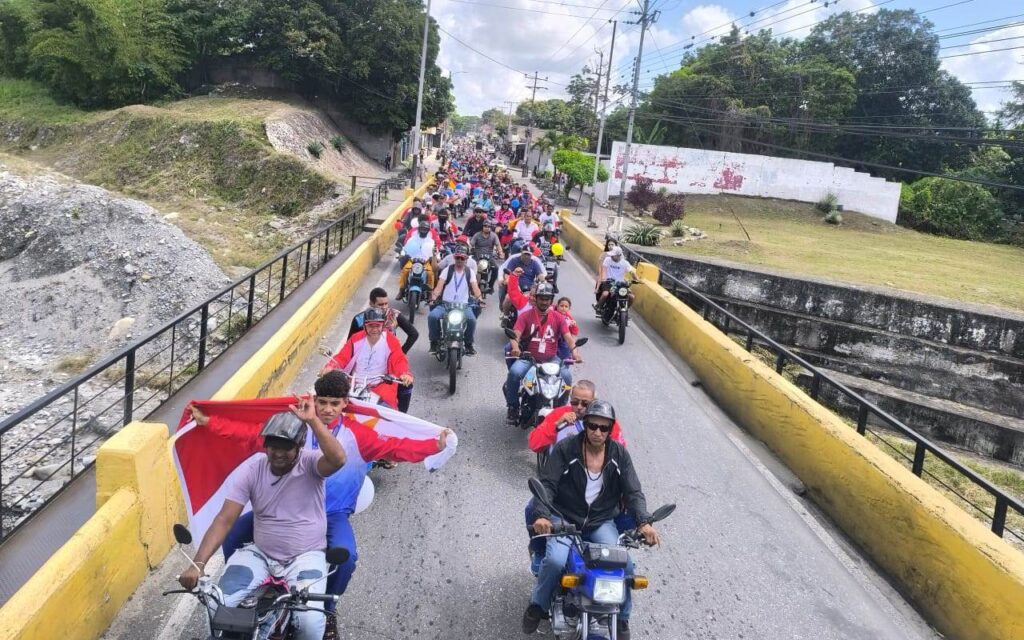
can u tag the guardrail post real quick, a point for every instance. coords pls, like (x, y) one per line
(815, 385)
(309, 256)
(862, 419)
(919, 452)
(284, 278)
(750, 339)
(353, 185)
(74, 428)
(204, 319)
(327, 243)
(999, 518)
(129, 385)
(780, 362)
(251, 302)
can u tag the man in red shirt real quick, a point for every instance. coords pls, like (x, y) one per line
(537, 330)
(564, 422)
(370, 354)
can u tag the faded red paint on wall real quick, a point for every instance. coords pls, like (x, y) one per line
(729, 180)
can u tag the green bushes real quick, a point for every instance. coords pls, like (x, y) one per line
(315, 149)
(956, 209)
(338, 143)
(643, 234)
(642, 194)
(671, 209)
(578, 167)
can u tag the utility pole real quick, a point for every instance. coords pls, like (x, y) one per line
(419, 100)
(529, 127)
(600, 130)
(646, 20)
(597, 88)
(508, 127)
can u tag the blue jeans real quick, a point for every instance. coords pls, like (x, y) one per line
(339, 534)
(557, 554)
(434, 323)
(515, 376)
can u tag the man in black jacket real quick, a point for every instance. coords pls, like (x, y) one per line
(587, 477)
(395, 320)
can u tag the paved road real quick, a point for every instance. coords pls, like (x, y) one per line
(443, 555)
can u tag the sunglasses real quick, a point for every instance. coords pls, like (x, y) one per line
(593, 426)
(460, 258)
(579, 403)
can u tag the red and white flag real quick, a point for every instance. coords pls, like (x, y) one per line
(206, 457)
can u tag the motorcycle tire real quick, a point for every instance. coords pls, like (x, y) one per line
(414, 303)
(453, 369)
(623, 320)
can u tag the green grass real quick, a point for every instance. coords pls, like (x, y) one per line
(791, 236)
(30, 101)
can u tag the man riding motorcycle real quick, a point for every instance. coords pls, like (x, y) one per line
(565, 422)
(285, 485)
(393, 320)
(454, 284)
(476, 223)
(587, 478)
(485, 243)
(533, 269)
(541, 326)
(614, 268)
(420, 245)
(370, 354)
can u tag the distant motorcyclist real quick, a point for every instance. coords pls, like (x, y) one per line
(537, 331)
(420, 246)
(476, 223)
(533, 269)
(587, 478)
(613, 269)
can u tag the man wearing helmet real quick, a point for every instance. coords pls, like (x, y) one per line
(454, 285)
(587, 477)
(371, 354)
(285, 485)
(422, 246)
(475, 223)
(537, 331)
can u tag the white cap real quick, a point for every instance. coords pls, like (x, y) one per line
(615, 252)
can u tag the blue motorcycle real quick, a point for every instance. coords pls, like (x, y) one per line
(594, 582)
(417, 287)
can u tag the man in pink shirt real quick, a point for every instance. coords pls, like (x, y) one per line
(537, 331)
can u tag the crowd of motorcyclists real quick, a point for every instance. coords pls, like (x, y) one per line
(478, 230)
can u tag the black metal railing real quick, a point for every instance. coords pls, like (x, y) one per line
(46, 445)
(866, 412)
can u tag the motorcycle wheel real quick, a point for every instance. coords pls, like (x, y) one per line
(453, 368)
(414, 303)
(623, 319)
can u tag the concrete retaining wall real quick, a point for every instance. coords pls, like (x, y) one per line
(686, 170)
(967, 581)
(79, 591)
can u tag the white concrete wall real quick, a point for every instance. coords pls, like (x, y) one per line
(685, 170)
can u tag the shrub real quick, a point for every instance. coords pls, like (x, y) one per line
(643, 234)
(671, 209)
(828, 203)
(315, 149)
(950, 208)
(642, 195)
(677, 229)
(834, 217)
(338, 142)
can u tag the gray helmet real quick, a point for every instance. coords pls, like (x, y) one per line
(285, 426)
(424, 224)
(374, 314)
(544, 290)
(600, 409)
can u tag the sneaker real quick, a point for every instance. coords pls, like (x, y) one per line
(513, 414)
(434, 345)
(623, 629)
(531, 618)
(470, 351)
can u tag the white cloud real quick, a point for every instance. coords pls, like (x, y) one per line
(707, 19)
(1002, 65)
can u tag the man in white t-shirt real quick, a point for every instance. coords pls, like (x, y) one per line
(614, 268)
(549, 217)
(454, 285)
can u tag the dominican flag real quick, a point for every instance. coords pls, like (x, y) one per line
(206, 457)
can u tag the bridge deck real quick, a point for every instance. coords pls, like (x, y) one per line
(443, 555)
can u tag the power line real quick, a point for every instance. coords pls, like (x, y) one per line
(527, 9)
(978, 53)
(577, 32)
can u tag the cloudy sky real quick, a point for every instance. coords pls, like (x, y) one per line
(557, 38)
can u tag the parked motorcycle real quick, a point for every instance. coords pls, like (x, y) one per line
(616, 307)
(594, 582)
(271, 604)
(542, 389)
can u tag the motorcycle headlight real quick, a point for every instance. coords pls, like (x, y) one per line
(483, 264)
(609, 590)
(417, 268)
(623, 291)
(550, 388)
(455, 317)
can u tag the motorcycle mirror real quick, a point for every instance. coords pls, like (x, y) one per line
(510, 334)
(182, 534)
(662, 512)
(582, 341)
(540, 493)
(337, 555)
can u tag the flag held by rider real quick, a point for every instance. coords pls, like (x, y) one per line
(205, 457)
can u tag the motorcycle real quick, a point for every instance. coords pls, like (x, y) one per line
(550, 264)
(594, 583)
(271, 604)
(416, 286)
(485, 267)
(453, 340)
(361, 388)
(616, 308)
(542, 389)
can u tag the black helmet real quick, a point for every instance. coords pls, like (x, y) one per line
(600, 409)
(545, 290)
(285, 426)
(374, 314)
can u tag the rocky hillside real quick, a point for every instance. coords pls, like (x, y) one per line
(83, 271)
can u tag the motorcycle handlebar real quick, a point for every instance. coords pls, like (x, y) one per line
(321, 597)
